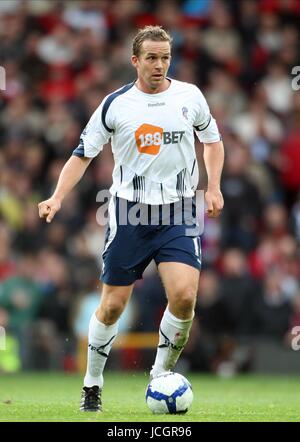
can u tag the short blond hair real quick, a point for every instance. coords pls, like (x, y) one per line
(154, 33)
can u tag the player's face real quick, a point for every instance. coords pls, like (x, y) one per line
(152, 65)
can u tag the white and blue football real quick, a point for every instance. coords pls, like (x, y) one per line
(169, 393)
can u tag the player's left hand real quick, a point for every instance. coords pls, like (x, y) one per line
(214, 201)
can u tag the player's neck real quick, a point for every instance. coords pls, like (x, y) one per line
(142, 86)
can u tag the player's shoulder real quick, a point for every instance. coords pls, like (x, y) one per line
(117, 94)
(185, 86)
(109, 100)
(125, 89)
(188, 88)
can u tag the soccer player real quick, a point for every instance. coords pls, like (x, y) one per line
(151, 124)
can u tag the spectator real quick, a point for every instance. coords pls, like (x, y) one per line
(290, 161)
(21, 296)
(243, 204)
(237, 291)
(271, 311)
(208, 332)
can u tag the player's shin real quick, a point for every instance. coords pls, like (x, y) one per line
(101, 338)
(173, 335)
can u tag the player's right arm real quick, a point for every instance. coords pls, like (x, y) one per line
(94, 136)
(71, 173)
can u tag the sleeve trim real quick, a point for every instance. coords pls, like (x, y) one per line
(79, 151)
(199, 128)
(108, 102)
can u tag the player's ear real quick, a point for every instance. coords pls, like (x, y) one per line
(134, 60)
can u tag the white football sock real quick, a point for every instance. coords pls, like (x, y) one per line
(173, 335)
(101, 338)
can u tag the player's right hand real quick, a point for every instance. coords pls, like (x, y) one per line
(48, 208)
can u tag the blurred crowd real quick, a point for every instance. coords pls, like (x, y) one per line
(61, 58)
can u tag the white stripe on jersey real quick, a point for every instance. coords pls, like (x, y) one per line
(152, 137)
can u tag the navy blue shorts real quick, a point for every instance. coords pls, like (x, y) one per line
(128, 248)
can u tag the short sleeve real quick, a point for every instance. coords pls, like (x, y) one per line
(205, 125)
(95, 134)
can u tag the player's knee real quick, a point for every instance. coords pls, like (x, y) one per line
(184, 302)
(112, 311)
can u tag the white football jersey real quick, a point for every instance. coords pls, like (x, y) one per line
(152, 138)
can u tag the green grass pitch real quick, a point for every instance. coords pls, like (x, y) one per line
(52, 397)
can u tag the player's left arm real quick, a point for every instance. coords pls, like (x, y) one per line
(207, 131)
(214, 161)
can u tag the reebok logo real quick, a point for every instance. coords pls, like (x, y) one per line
(156, 104)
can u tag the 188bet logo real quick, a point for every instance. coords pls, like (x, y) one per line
(149, 138)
